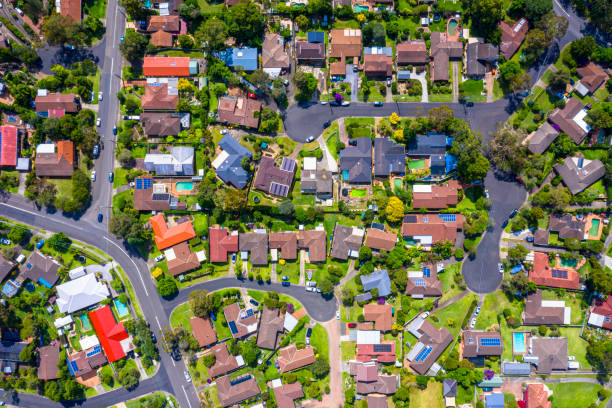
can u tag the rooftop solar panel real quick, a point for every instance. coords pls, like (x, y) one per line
(279, 189)
(382, 348)
(419, 282)
(423, 354)
(232, 327)
(410, 219)
(426, 272)
(138, 184)
(93, 352)
(448, 217)
(242, 379)
(160, 197)
(288, 164)
(147, 183)
(490, 342)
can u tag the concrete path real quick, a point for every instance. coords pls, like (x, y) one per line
(335, 364)
(489, 82)
(421, 78)
(331, 165)
(273, 276)
(342, 132)
(302, 267)
(455, 81)
(350, 274)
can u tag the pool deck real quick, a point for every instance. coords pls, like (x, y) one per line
(589, 222)
(457, 30)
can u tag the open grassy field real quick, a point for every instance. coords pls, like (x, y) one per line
(430, 397)
(572, 395)
(320, 340)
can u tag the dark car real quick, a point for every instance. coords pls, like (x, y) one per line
(100, 217)
(286, 283)
(308, 332)
(378, 103)
(96, 151)
(254, 302)
(353, 142)
(326, 124)
(334, 103)
(115, 131)
(513, 213)
(153, 338)
(110, 177)
(469, 104)
(529, 239)
(504, 224)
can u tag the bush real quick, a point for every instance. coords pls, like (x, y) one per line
(459, 254)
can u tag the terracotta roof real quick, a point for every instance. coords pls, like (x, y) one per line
(380, 315)
(67, 102)
(551, 353)
(8, 146)
(221, 242)
(378, 65)
(271, 323)
(537, 396)
(310, 51)
(512, 37)
(411, 53)
(377, 401)
(285, 395)
(384, 384)
(48, 358)
(184, 260)
(257, 244)
(273, 179)
(166, 66)
(290, 358)
(171, 24)
(439, 196)
(156, 98)
(315, 242)
(224, 361)
(79, 363)
(161, 124)
(345, 43)
(71, 9)
(379, 239)
(337, 68)
(273, 53)
(592, 76)
(431, 225)
(536, 314)
(166, 237)
(203, 331)
(556, 277)
(567, 226)
(474, 346)
(286, 242)
(161, 38)
(244, 320)
(231, 392)
(112, 335)
(366, 352)
(564, 119)
(239, 111)
(601, 313)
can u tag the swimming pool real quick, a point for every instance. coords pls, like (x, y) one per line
(122, 309)
(518, 343)
(85, 323)
(359, 192)
(416, 164)
(452, 28)
(184, 186)
(594, 227)
(359, 8)
(568, 262)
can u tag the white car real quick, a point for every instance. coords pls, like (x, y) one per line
(486, 193)
(346, 103)
(310, 139)
(311, 284)
(323, 102)
(337, 314)
(473, 323)
(477, 311)
(224, 131)
(500, 266)
(309, 289)
(100, 95)
(159, 258)
(93, 175)
(98, 122)
(187, 376)
(425, 315)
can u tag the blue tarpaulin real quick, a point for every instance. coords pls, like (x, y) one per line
(517, 269)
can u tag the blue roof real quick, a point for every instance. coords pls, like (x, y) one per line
(240, 57)
(516, 368)
(231, 171)
(405, 75)
(377, 279)
(495, 400)
(316, 37)
(451, 162)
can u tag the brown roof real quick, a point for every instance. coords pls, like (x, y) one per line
(431, 225)
(71, 9)
(184, 260)
(286, 242)
(535, 314)
(439, 197)
(155, 197)
(366, 372)
(59, 164)
(537, 396)
(540, 237)
(411, 53)
(345, 43)
(558, 277)
(221, 241)
(257, 244)
(244, 323)
(473, 347)
(442, 51)
(579, 178)
(429, 336)
(285, 395)
(273, 53)
(310, 51)
(379, 239)
(315, 242)
(346, 240)
(377, 401)
(224, 361)
(379, 314)
(592, 76)
(84, 364)
(156, 98)
(48, 358)
(161, 123)
(171, 24)
(271, 323)
(203, 331)
(567, 226)
(273, 179)
(232, 392)
(337, 68)
(67, 102)
(161, 39)
(39, 266)
(433, 285)
(240, 111)
(512, 37)
(384, 384)
(5, 268)
(564, 119)
(290, 358)
(542, 138)
(551, 352)
(377, 65)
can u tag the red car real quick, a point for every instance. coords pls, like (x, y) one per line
(252, 96)
(352, 325)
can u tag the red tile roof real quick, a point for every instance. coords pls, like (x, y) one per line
(592, 76)
(166, 23)
(537, 396)
(290, 358)
(156, 98)
(166, 237)
(110, 333)
(377, 65)
(203, 331)
(379, 239)
(431, 225)
(439, 197)
(221, 242)
(8, 146)
(161, 38)
(603, 308)
(542, 274)
(67, 102)
(166, 66)
(365, 352)
(379, 314)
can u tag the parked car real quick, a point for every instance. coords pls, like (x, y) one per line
(18, 10)
(285, 278)
(323, 102)
(504, 224)
(310, 139)
(100, 95)
(469, 104)
(353, 142)
(110, 177)
(500, 267)
(529, 239)
(318, 290)
(486, 193)
(286, 283)
(326, 124)
(5, 241)
(224, 131)
(378, 103)
(93, 175)
(477, 311)
(100, 217)
(252, 95)
(388, 81)
(513, 213)
(115, 130)
(98, 122)
(309, 289)
(121, 39)
(352, 325)
(159, 258)
(355, 68)
(311, 284)
(337, 314)
(187, 376)
(96, 151)
(346, 103)
(254, 302)
(334, 103)
(473, 323)
(153, 338)
(425, 315)
(309, 332)
(233, 258)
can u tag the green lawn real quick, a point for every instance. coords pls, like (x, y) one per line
(13, 190)
(573, 395)
(456, 312)
(95, 8)
(576, 345)
(64, 186)
(494, 304)
(320, 341)
(472, 90)
(180, 316)
(200, 223)
(120, 177)
(470, 196)
(348, 350)
(430, 397)
(441, 97)
(291, 269)
(302, 199)
(332, 142)
(449, 287)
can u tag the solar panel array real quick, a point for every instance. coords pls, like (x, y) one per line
(239, 380)
(448, 217)
(423, 354)
(419, 282)
(558, 273)
(160, 197)
(233, 328)
(426, 272)
(288, 164)
(248, 314)
(138, 184)
(410, 219)
(93, 352)
(490, 342)
(382, 348)
(279, 189)
(143, 183)
(74, 366)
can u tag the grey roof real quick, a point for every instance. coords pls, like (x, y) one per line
(478, 55)
(390, 158)
(567, 226)
(437, 164)
(316, 182)
(578, 173)
(425, 145)
(536, 314)
(377, 279)
(494, 400)
(180, 161)
(363, 297)
(551, 353)
(542, 138)
(357, 160)
(257, 244)
(309, 51)
(449, 388)
(231, 171)
(346, 241)
(5, 268)
(515, 368)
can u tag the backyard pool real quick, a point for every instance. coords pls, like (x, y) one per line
(360, 9)
(571, 263)
(184, 186)
(594, 227)
(359, 192)
(452, 28)
(518, 343)
(85, 323)
(122, 309)
(416, 164)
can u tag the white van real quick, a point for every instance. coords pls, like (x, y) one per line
(17, 9)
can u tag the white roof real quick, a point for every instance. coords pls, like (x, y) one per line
(45, 148)
(201, 256)
(310, 163)
(368, 337)
(277, 383)
(579, 119)
(80, 293)
(290, 322)
(239, 360)
(553, 303)
(169, 254)
(77, 272)
(424, 239)
(415, 274)
(567, 315)
(274, 254)
(581, 89)
(421, 188)
(220, 159)
(596, 320)
(89, 341)
(62, 321)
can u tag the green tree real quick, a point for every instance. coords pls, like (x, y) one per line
(600, 116)
(517, 254)
(209, 360)
(306, 83)
(319, 7)
(166, 286)
(365, 254)
(134, 45)
(185, 41)
(558, 80)
(59, 242)
(582, 48)
(245, 22)
(484, 15)
(212, 35)
(512, 77)
(286, 208)
(320, 367)
(302, 21)
(374, 34)
(128, 378)
(201, 302)
(536, 9)
(326, 286)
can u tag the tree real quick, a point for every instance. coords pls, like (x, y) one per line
(365, 254)
(374, 34)
(440, 117)
(582, 48)
(517, 254)
(472, 166)
(394, 210)
(125, 226)
(507, 151)
(536, 9)
(326, 286)
(484, 15)
(250, 352)
(600, 116)
(320, 367)
(286, 208)
(201, 303)
(134, 45)
(135, 9)
(512, 77)
(306, 83)
(125, 158)
(128, 377)
(209, 360)
(18, 233)
(302, 21)
(60, 30)
(59, 242)
(245, 22)
(348, 296)
(166, 286)
(558, 80)
(186, 42)
(319, 7)
(212, 35)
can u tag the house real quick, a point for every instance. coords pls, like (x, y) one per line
(567, 226)
(542, 138)
(512, 37)
(245, 57)
(290, 358)
(377, 66)
(384, 384)
(442, 51)
(84, 363)
(377, 401)
(203, 331)
(592, 77)
(70, 9)
(516, 368)
(273, 56)
(228, 164)
(345, 43)
(169, 66)
(55, 160)
(310, 53)
(80, 293)
(432, 147)
(381, 315)
(257, 244)
(224, 362)
(231, 392)
(346, 242)
(479, 58)
(424, 282)
(160, 96)
(494, 400)
(545, 312)
(271, 323)
(601, 313)
(40, 268)
(411, 53)
(548, 354)
(48, 358)
(383, 352)
(337, 70)
(56, 102)
(161, 124)
(273, 179)
(179, 162)
(540, 237)
(8, 146)
(161, 38)
(537, 395)
(434, 196)
(317, 182)
(378, 279)
(115, 341)
(379, 240)
(165, 236)
(285, 243)
(389, 158)
(477, 343)
(286, 394)
(5, 268)
(149, 196)
(449, 392)
(356, 162)
(427, 229)
(431, 343)
(170, 24)
(579, 173)
(570, 119)
(180, 259)
(315, 243)
(239, 111)
(242, 322)
(542, 274)
(220, 242)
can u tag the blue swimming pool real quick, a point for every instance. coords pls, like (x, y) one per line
(85, 323)
(184, 186)
(518, 343)
(122, 309)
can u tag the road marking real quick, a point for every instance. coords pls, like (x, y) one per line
(562, 9)
(186, 396)
(19, 209)
(135, 266)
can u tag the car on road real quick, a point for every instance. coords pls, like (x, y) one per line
(252, 95)
(17, 9)
(346, 103)
(153, 338)
(187, 376)
(504, 224)
(334, 103)
(469, 104)
(111, 177)
(477, 311)
(310, 139)
(309, 332)
(285, 278)
(309, 289)
(529, 239)
(121, 39)
(96, 151)
(378, 103)
(254, 302)
(513, 213)
(93, 175)
(337, 314)
(5, 241)
(115, 130)
(98, 122)
(159, 258)
(353, 142)
(286, 283)
(473, 323)
(352, 325)
(425, 315)
(500, 267)
(326, 124)
(486, 193)
(323, 102)
(100, 217)
(100, 96)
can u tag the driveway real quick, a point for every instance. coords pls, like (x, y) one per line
(328, 162)
(423, 80)
(353, 79)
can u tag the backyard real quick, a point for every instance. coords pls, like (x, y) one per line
(430, 397)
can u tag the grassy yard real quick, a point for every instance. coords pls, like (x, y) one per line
(470, 196)
(95, 8)
(13, 190)
(571, 395)
(300, 199)
(120, 177)
(454, 313)
(449, 287)
(290, 269)
(364, 127)
(430, 397)
(320, 340)
(332, 142)
(64, 186)
(574, 300)
(472, 90)
(348, 350)
(494, 304)
(180, 316)
(576, 345)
